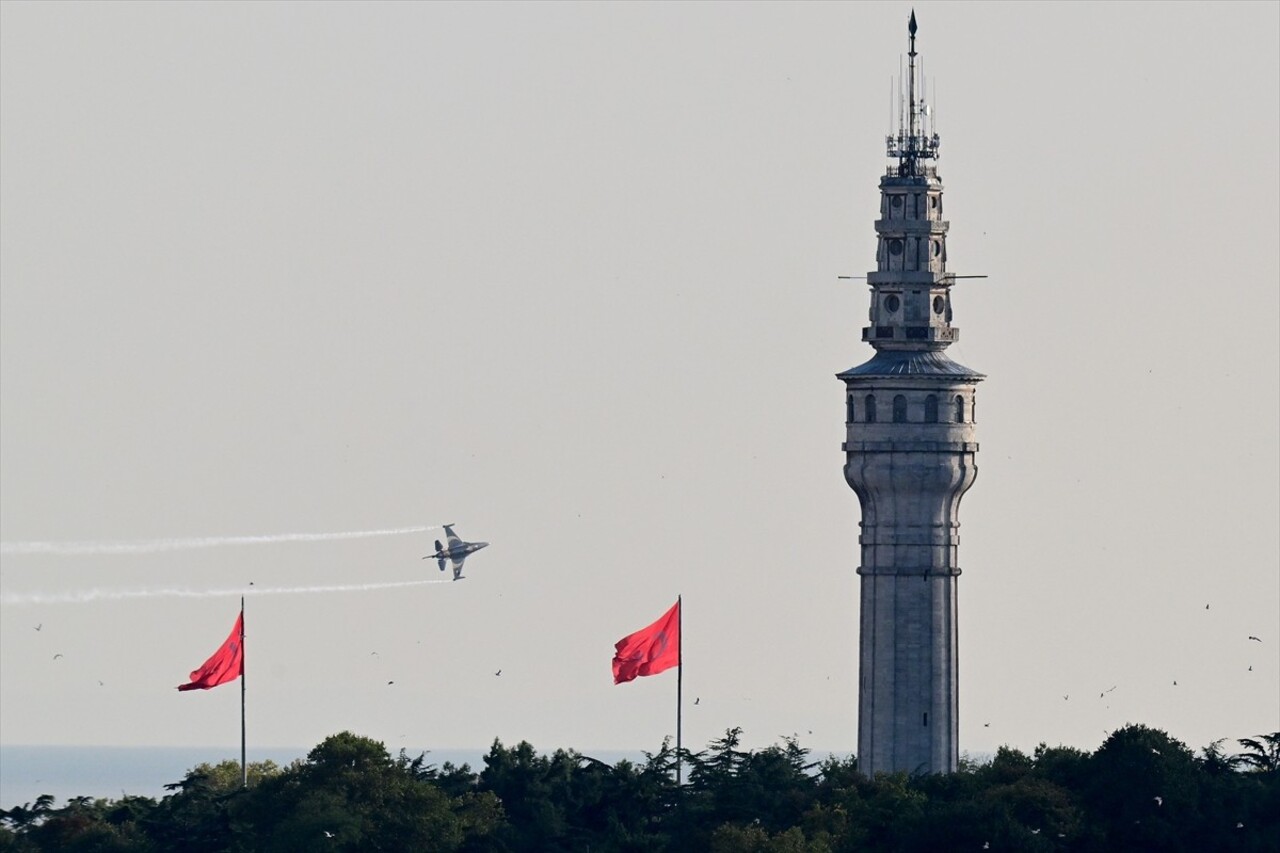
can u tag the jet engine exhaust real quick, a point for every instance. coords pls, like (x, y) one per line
(86, 596)
(152, 546)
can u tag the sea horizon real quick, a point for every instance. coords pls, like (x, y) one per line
(112, 772)
(28, 771)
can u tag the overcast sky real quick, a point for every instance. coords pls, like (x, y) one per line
(566, 275)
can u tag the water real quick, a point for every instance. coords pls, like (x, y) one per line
(112, 772)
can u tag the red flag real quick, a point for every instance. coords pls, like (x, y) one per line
(650, 650)
(227, 663)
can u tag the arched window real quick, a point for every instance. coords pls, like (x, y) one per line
(849, 413)
(959, 409)
(899, 409)
(871, 408)
(931, 409)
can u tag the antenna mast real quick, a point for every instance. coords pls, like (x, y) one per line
(913, 142)
(911, 77)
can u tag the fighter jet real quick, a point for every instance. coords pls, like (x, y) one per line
(455, 552)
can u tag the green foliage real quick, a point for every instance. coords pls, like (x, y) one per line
(1262, 753)
(1141, 790)
(729, 838)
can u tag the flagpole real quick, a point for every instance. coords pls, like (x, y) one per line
(679, 681)
(244, 768)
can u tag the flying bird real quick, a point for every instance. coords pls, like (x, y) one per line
(1159, 801)
(390, 682)
(499, 672)
(58, 655)
(41, 625)
(328, 834)
(1251, 637)
(697, 700)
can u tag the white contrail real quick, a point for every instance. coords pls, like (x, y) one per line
(88, 595)
(151, 546)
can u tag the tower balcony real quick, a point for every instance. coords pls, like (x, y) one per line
(912, 169)
(912, 227)
(911, 334)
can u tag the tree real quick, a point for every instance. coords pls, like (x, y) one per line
(350, 795)
(521, 780)
(1262, 754)
(1144, 790)
(23, 816)
(729, 838)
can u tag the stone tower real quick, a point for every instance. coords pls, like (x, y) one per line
(909, 455)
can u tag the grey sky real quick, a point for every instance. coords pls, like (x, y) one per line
(566, 275)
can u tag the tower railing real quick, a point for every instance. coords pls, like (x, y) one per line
(910, 169)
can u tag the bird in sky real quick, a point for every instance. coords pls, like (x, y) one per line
(499, 672)
(390, 682)
(58, 655)
(41, 625)
(328, 834)
(1251, 637)
(1159, 801)
(697, 700)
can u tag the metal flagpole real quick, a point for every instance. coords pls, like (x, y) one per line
(679, 681)
(244, 768)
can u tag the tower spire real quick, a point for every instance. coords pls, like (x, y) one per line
(912, 144)
(911, 73)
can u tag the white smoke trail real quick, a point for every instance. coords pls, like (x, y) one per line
(88, 595)
(151, 546)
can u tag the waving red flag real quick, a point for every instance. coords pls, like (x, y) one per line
(227, 663)
(650, 650)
